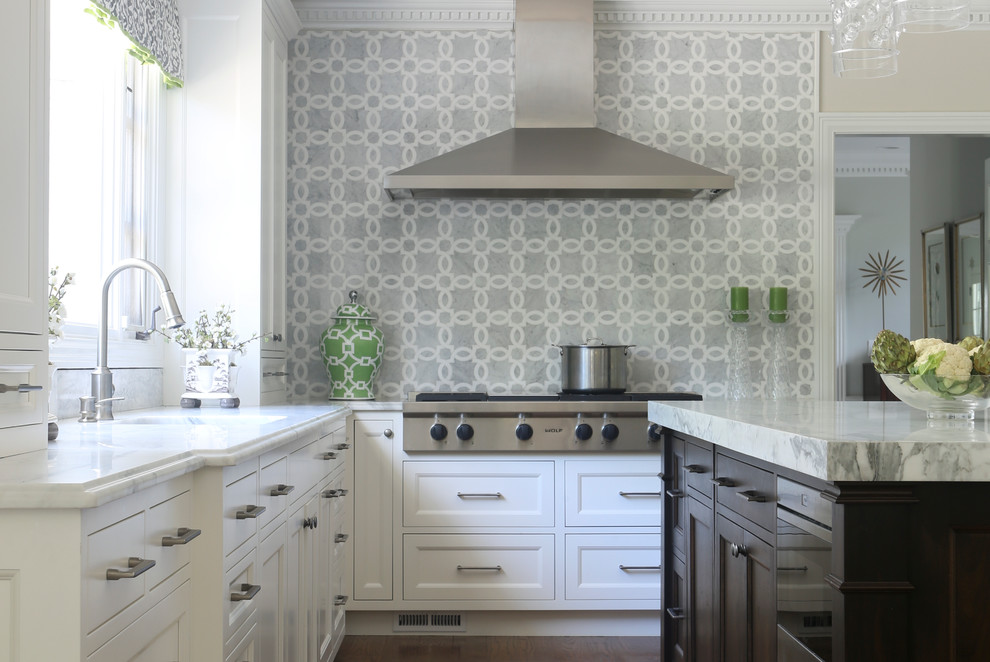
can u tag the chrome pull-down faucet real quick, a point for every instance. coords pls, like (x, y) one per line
(101, 379)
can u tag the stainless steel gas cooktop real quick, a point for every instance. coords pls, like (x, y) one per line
(565, 422)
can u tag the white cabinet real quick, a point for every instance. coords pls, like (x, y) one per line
(376, 437)
(231, 178)
(279, 515)
(116, 578)
(499, 532)
(23, 219)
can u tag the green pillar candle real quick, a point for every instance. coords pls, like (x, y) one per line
(778, 304)
(739, 301)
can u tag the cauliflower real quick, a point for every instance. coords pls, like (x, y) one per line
(946, 359)
(922, 344)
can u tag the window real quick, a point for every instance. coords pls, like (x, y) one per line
(107, 115)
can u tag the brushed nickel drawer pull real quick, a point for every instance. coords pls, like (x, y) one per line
(328, 456)
(479, 495)
(339, 600)
(627, 568)
(694, 468)
(646, 494)
(752, 496)
(20, 388)
(675, 494)
(181, 537)
(137, 567)
(248, 591)
(341, 447)
(802, 568)
(340, 537)
(251, 512)
(723, 482)
(282, 490)
(493, 568)
(676, 613)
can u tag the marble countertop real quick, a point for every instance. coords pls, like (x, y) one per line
(838, 441)
(93, 463)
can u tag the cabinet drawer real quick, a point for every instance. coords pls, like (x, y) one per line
(162, 633)
(274, 375)
(477, 493)
(241, 582)
(747, 490)
(241, 510)
(477, 567)
(110, 548)
(308, 465)
(612, 567)
(699, 463)
(613, 493)
(28, 408)
(274, 491)
(164, 520)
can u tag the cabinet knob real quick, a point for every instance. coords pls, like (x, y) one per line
(251, 512)
(20, 388)
(181, 537)
(248, 591)
(738, 550)
(137, 567)
(388, 433)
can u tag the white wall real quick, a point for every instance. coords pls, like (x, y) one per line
(884, 207)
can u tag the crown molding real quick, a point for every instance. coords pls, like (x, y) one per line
(499, 14)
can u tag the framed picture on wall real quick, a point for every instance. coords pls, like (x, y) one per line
(967, 286)
(935, 262)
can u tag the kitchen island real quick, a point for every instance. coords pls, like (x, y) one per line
(836, 531)
(178, 534)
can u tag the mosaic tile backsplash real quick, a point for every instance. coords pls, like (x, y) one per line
(473, 295)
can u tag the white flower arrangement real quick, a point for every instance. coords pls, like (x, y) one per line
(56, 309)
(208, 333)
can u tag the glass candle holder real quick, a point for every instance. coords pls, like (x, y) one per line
(739, 381)
(779, 384)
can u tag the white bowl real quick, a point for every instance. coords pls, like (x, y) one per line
(941, 397)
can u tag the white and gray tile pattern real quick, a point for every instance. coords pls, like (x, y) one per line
(473, 294)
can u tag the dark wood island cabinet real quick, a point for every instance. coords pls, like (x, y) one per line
(752, 572)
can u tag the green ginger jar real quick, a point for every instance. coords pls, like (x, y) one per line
(352, 351)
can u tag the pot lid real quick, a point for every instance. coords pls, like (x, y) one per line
(594, 342)
(354, 310)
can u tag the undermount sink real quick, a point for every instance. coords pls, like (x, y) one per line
(201, 419)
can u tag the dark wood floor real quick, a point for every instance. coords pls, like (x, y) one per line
(439, 648)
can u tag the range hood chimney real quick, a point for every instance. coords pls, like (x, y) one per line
(555, 150)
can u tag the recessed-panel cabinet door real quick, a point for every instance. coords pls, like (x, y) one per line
(746, 598)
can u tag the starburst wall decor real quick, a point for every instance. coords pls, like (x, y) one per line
(883, 273)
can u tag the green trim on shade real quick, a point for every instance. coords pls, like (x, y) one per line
(137, 50)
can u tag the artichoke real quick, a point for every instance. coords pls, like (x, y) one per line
(981, 359)
(893, 353)
(969, 343)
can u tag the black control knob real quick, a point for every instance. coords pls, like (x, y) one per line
(438, 432)
(465, 432)
(654, 432)
(524, 432)
(610, 432)
(583, 432)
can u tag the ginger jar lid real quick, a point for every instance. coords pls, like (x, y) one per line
(354, 310)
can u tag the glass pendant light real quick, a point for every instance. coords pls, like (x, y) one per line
(864, 38)
(931, 15)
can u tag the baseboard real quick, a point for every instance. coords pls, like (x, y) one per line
(524, 624)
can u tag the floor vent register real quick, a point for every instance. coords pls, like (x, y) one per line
(428, 621)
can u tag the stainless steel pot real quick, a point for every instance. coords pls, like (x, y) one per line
(593, 367)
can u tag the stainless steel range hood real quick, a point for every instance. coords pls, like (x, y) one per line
(555, 151)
